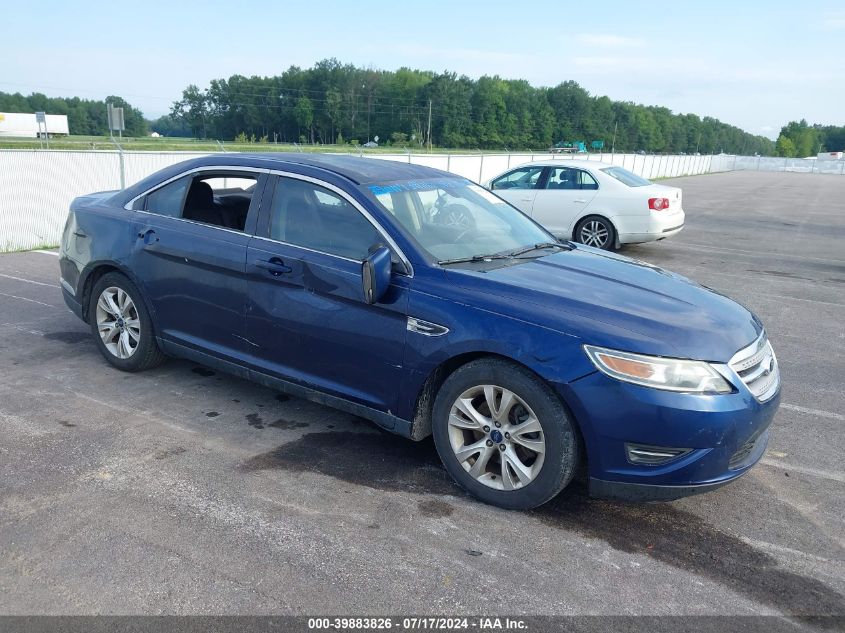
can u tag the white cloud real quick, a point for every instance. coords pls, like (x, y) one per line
(833, 21)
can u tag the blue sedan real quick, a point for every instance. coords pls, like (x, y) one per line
(425, 303)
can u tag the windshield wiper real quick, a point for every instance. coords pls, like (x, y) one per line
(474, 258)
(540, 246)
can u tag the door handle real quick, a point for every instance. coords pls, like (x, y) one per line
(149, 236)
(580, 201)
(275, 266)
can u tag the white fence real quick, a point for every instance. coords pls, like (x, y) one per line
(774, 163)
(36, 187)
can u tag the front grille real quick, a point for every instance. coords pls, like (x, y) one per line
(757, 367)
(747, 451)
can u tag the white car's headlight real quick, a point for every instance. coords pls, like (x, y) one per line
(671, 374)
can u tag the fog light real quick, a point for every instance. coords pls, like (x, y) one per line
(653, 455)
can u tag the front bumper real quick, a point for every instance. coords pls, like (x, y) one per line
(725, 434)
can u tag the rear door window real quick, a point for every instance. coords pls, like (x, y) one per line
(570, 178)
(216, 198)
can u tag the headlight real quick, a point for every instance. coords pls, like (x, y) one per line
(671, 374)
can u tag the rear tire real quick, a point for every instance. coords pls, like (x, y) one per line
(504, 435)
(121, 324)
(596, 231)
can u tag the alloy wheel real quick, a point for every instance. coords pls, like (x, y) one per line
(594, 233)
(496, 437)
(118, 322)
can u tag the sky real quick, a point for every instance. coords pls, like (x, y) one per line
(754, 64)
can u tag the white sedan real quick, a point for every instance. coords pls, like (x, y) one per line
(594, 203)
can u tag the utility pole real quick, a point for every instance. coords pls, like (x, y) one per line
(429, 126)
(613, 144)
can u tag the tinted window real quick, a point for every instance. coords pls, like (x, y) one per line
(168, 200)
(305, 214)
(569, 178)
(624, 176)
(523, 178)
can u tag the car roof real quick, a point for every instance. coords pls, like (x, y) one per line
(357, 169)
(568, 162)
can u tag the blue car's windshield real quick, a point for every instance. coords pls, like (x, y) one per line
(452, 218)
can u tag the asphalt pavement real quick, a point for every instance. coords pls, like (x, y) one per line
(183, 490)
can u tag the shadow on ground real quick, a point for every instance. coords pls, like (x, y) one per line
(661, 531)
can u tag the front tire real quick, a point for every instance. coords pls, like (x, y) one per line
(503, 435)
(596, 231)
(121, 324)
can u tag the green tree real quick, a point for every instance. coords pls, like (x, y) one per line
(192, 109)
(304, 113)
(785, 147)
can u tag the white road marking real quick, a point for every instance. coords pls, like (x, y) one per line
(53, 253)
(25, 299)
(706, 247)
(29, 281)
(780, 549)
(20, 328)
(827, 303)
(816, 412)
(812, 472)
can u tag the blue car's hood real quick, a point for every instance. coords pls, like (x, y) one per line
(618, 302)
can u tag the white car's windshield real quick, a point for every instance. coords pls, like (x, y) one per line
(452, 218)
(626, 177)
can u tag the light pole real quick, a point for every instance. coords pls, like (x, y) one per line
(369, 96)
(613, 144)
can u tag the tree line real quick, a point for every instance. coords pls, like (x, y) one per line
(341, 103)
(800, 139)
(84, 116)
(336, 103)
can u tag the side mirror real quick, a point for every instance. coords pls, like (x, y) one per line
(375, 274)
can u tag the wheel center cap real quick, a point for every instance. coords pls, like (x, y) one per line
(496, 436)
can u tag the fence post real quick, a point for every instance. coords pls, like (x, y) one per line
(449, 162)
(842, 168)
(122, 170)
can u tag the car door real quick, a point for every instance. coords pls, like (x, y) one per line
(520, 186)
(307, 319)
(189, 256)
(565, 196)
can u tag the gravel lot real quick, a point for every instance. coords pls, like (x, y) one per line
(185, 491)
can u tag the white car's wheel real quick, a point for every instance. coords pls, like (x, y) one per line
(596, 231)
